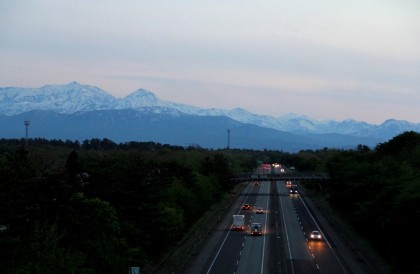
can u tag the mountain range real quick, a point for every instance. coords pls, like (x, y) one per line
(77, 112)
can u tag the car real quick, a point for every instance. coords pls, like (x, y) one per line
(293, 190)
(315, 235)
(256, 229)
(246, 206)
(256, 183)
(259, 210)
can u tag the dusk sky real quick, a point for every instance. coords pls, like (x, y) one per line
(327, 59)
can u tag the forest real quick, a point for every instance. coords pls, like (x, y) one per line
(101, 207)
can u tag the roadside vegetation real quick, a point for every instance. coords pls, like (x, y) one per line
(101, 207)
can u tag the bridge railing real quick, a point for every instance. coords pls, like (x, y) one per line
(294, 176)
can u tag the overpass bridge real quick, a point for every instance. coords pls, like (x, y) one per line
(285, 176)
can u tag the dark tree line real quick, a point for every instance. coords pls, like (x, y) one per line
(99, 207)
(378, 192)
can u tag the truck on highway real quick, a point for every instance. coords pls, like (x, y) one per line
(256, 229)
(238, 222)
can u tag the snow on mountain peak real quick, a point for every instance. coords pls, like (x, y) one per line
(75, 97)
(142, 93)
(68, 98)
(140, 98)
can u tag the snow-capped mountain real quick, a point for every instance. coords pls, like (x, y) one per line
(69, 98)
(139, 99)
(75, 98)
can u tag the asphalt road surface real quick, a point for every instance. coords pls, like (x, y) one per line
(284, 246)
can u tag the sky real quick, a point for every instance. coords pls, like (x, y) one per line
(326, 59)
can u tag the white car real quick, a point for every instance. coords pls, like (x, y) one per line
(315, 235)
(259, 210)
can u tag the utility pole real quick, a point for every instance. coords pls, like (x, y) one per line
(26, 123)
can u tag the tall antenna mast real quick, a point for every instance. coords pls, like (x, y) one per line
(228, 143)
(26, 123)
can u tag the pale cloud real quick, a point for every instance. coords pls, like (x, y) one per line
(328, 59)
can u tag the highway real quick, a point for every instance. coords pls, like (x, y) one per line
(284, 246)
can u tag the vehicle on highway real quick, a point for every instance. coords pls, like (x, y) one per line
(256, 229)
(293, 190)
(256, 183)
(289, 184)
(238, 222)
(246, 207)
(315, 235)
(259, 210)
